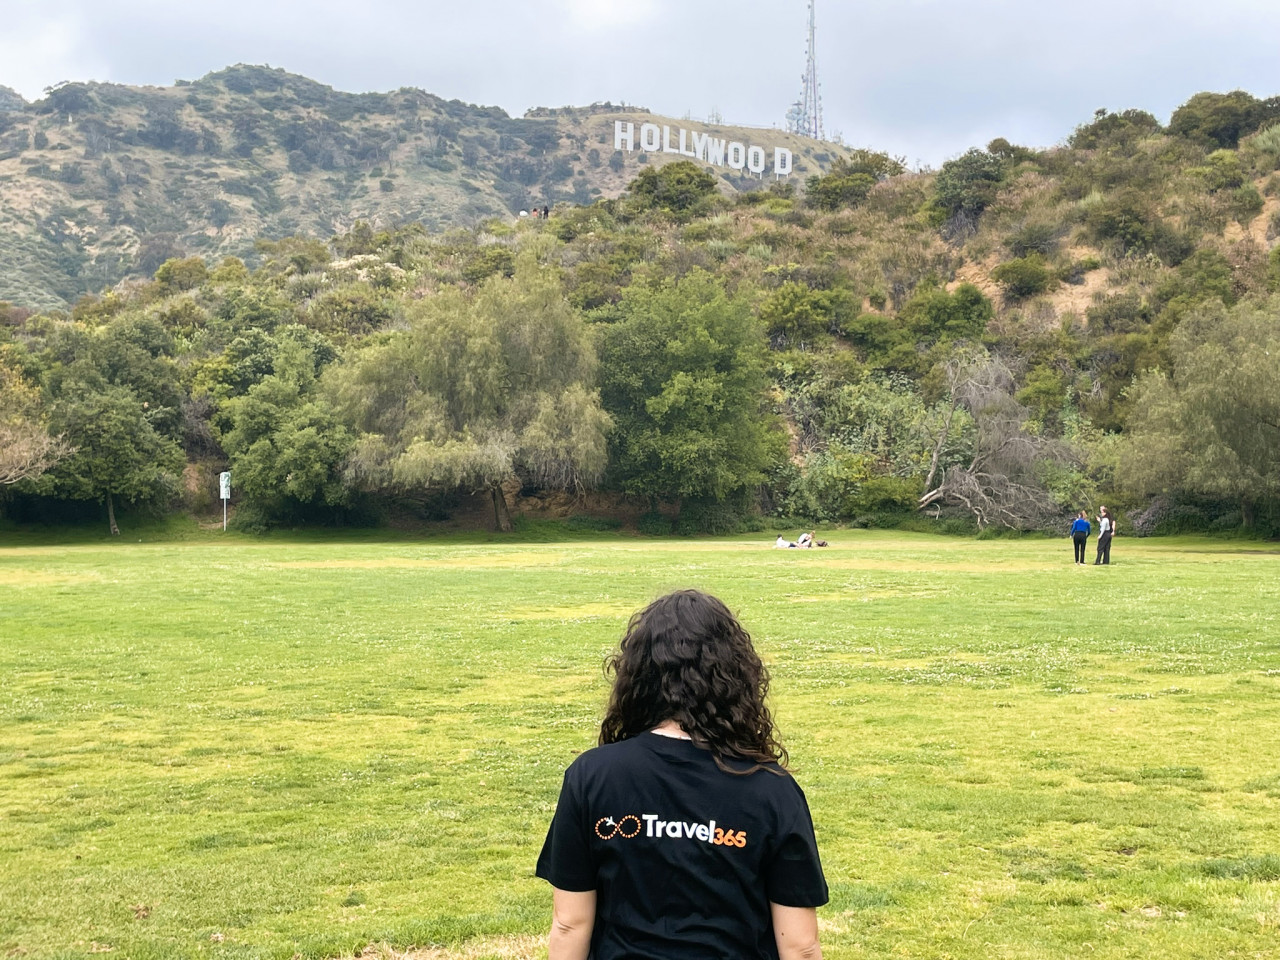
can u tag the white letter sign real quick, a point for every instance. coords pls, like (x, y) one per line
(702, 147)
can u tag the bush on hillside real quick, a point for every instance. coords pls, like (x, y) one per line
(849, 180)
(794, 313)
(1039, 238)
(968, 184)
(1221, 119)
(176, 276)
(675, 188)
(1114, 129)
(1128, 220)
(493, 260)
(1023, 277)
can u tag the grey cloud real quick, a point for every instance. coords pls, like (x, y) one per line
(922, 78)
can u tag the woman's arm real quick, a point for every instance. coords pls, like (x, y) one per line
(572, 917)
(795, 929)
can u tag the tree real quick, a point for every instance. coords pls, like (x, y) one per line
(1212, 426)
(850, 179)
(1114, 129)
(796, 313)
(119, 451)
(176, 276)
(683, 377)
(27, 449)
(1023, 277)
(1002, 483)
(968, 184)
(1221, 119)
(674, 188)
(476, 392)
(285, 442)
(927, 323)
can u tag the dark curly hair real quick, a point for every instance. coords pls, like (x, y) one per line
(686, 658)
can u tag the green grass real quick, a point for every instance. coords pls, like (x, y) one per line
(297, 747)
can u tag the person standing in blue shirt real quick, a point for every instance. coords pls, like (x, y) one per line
(1080, 535)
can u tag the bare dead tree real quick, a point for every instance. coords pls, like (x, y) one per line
(27, 452)
(1000, 484)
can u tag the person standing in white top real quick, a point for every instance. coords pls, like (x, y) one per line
(1106, 530)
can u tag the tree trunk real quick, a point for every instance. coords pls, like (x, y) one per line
(501, 518)
(937, 447)
(1248, 514)
(111, 516)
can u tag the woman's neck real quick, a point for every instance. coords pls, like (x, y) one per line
(670, 728)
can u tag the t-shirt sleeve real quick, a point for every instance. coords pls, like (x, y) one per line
(566, 861)
(793, 875)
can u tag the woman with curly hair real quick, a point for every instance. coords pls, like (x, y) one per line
(682, 835)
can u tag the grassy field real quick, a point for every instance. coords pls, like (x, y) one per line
(281, 748)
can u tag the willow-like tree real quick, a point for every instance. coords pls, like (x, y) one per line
(1212, 427)
(478, 391)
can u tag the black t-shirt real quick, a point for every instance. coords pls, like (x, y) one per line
(684, 857)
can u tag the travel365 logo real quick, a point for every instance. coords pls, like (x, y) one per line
(631, 826)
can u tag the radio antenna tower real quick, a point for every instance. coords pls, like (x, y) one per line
(805, 116)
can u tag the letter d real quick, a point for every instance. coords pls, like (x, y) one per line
(782, 162)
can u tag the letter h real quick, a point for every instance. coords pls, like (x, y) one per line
(624, 133)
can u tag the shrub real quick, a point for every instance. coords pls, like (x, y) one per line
(968, 184)
(1128, 220)
(1221, 119)
(654, 524)
(1268, 141)
(1246, 202)
(1023, 277)
(1039, 238)
(800, 314)
(1074, 271)
(675, 188)
(176, 275)
(1119, 313)
(584, 522)
(1222, 172)
(490, 260)
(707, 516)
(849, 180)
(1113, 129)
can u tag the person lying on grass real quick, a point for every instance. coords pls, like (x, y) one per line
(682, 834)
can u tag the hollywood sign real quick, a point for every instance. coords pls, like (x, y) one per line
(703, 147)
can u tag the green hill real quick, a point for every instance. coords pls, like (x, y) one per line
(101, 180)
(1020, 333)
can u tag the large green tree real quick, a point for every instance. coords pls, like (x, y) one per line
(683, 377)
(478, 391)
(114, 393)
(120, 453)
(1212, 426)
(285, 442)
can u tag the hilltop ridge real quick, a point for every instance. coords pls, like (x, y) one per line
(100, 180)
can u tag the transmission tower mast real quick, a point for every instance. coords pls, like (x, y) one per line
(805, 116)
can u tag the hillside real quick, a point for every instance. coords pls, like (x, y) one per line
(101, 180)
(1018, 334)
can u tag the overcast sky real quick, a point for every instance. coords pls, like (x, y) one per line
(921, 78)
